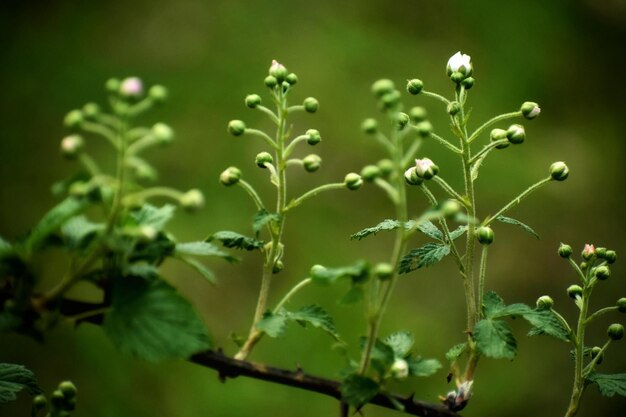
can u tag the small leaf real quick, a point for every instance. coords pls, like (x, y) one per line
(156, 217)
(316, 316)
(455, 351)
(262, 218)
(609, 384)
(358, 272)
(272, 324)
(427, 255)
(200, 268)
(203, 249)
(476, 167)
(401, 343)
(509, 220)
(79, 231)
(142, 269)
(53, 220)
(545, 322)
(423, 367)
(387, 224)
(429, 229)
(14, 378)
(458, 232)
(358, 390)
(149, 319)
(235, 240)
(382, 355)
(495, 339)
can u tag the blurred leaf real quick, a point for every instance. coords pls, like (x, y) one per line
(262, 218)
(358, 272)
(609, 384)
(509, 220)
(5, 248)
(149, 319)
(387, 224)
(401, 343)
(458, 232)
(235, 240)
(456, 351)
(427, 255)
(149, 215)
(381, 357)
(357, 390)
(429, 229)
(153, 251)
(79, 231)
(423, 367)
(200, 268)
(53, 220)
(203, 249)
(142, 270)
(545, 322)
(495, 339)
(14, 378)
(353, 296)
(272, 324)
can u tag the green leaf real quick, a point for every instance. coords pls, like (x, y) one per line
(5, 248)
(272, 324)
(609, 384)
(358, 272)
(545, 322)
(315, 316)
(53, 220)
(495, 339)
(79, 231)
(382, 355)
(262, 218)
(149, 319)
(494, 307)
(157, 217)
(358, 390)
(401, 343)
(424, 256)
(455, 351)
(153, 251)
(235, 240)
(203, 249)
(353, 296)
(387, 224)
(200, 268)
(509, 220)
(423, 367)
(458, 232)
(476, 167)
(142, 269)
(14, 378)
(429, 229)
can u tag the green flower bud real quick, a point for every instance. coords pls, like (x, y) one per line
(278, 266)
(450, 208)
(391, 99)
(411, 177)
(112, 85)
(73, 118)
(425, 168)
(621, 305)
(230, 176)
(236, 127)
(278, 71)
(415, 86)
(499, 134)
(484, 234)
(453, 108)
(516, 134)
(158, 93)
(57, 399)
(424, 128)
(313, 137)
(253, 100)
(615, 331)
(91, 110)
(610, 256)
(262, 159)
(72, 146)
(574, 291)
(565, 251)
(40, 402)
(370, 172)
(595, 351)
(386, 167)
(559, 171)
(145, 172)
(383, 271)
(318, 271)
(310, 104)
(192, 200)
(457, 77)
(545, 302)
(131, 87)
(588, 252)
(600, 253)
(163, 133)
(353, 181)
(68, 389)
(382, 87)
(530, 110)
(400, 369)
(291, 78)
(369, 126)
(402, 119)
(311, 163)
(79, 189)
(418, 114)
(468, 83)
(583, 265)
(602, 272)
(270, 81)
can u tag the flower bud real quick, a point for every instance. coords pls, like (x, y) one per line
(615, 331)
(278, 266)
(68, 389)
(112, 85)
(230, 176)
(39, 402)
(610, 256)
(588, 252)
(262, 159)
(545, 302)
(425, 168)
(131, 87)
(453, 108)
(158, 93)
(353, 181)
(600, 253)
(418, 114)
(457, 77)
(311, 104)
(602, 272)
(192, 200)
(460, 63)
(574, 291)
(391, 99)
(468, 83)
(292, 79)
(79, 189)
(415, 86)
(595, 351)
(57, 399)
(318, 271)
(278, 71)
(253, 100)
(370, 172)
(565, 251)
(621, 305)
(236, 127)
(499, 134)
(402, 119)
(71, 146)
(386, 167)
(583, 265)
(73, 118)
(424, 128)
(450, 208)
(559, 171)
(311, 163)
(400, 369)
(91, 110)
(382, 87)
(270, 81)
(369, 126)
(313, 137)
(411, 177)
(530, 110)
(484, 234)
(516, 134)
(163, 133)
(383, 271)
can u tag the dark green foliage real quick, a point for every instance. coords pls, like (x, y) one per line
(609, 384)
(358, 390)
(274, 324)
(263, 218)
(14, 378)
(235, 240)
(495, 339)
(53, 220)
(424, 256)
(387, 224)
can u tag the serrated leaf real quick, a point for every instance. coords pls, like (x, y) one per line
(515, 222)
(609, 384)
(495, 339)
(424, 256)
(545, 322)
(14, 378)
(358, 390)
(423, 367)
(53, 220)
(200, 268)
(203, 249)
(456, 351)
(358, 272)
(262, 218)
(494, 307)
(382, 355)
(153, 251)
(79, 231)
(429, 229)
(235, 240)
(156, 217)
(315, 316)
(401, 343)
(149, 319)
(386, 224)
(458, 232)
(273, 325)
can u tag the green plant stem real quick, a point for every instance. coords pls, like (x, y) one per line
(140, 107)
(590, 367)
(293, 144)
(391, 191)
(410, 154)
(252, 193)
(90, 165)
(491, 122)
(488, 148)
(599, 313)
(262, 135)
(296, 288)
(270, 113)
(385, 142)
(103, 131)
(579, 271)
(447, 188)
(517, 200)
(481, 278)
(435, 96)
(312, 193)
(155, 192)
(579, 381)
(445, 143)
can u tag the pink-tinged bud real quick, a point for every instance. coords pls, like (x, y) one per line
(425, 168)
(278, 70)
(131, 87)
(588, 251)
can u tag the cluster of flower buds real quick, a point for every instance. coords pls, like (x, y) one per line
(62, 400)
(387, 94)
(424, 169)
(459, 69)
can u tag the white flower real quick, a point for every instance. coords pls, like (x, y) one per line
(132, 87)
(460, 63)
(400, 369)
(425, 168)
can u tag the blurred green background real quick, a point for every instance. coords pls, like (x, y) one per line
(566, 55)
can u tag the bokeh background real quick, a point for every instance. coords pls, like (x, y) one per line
(568, 55)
